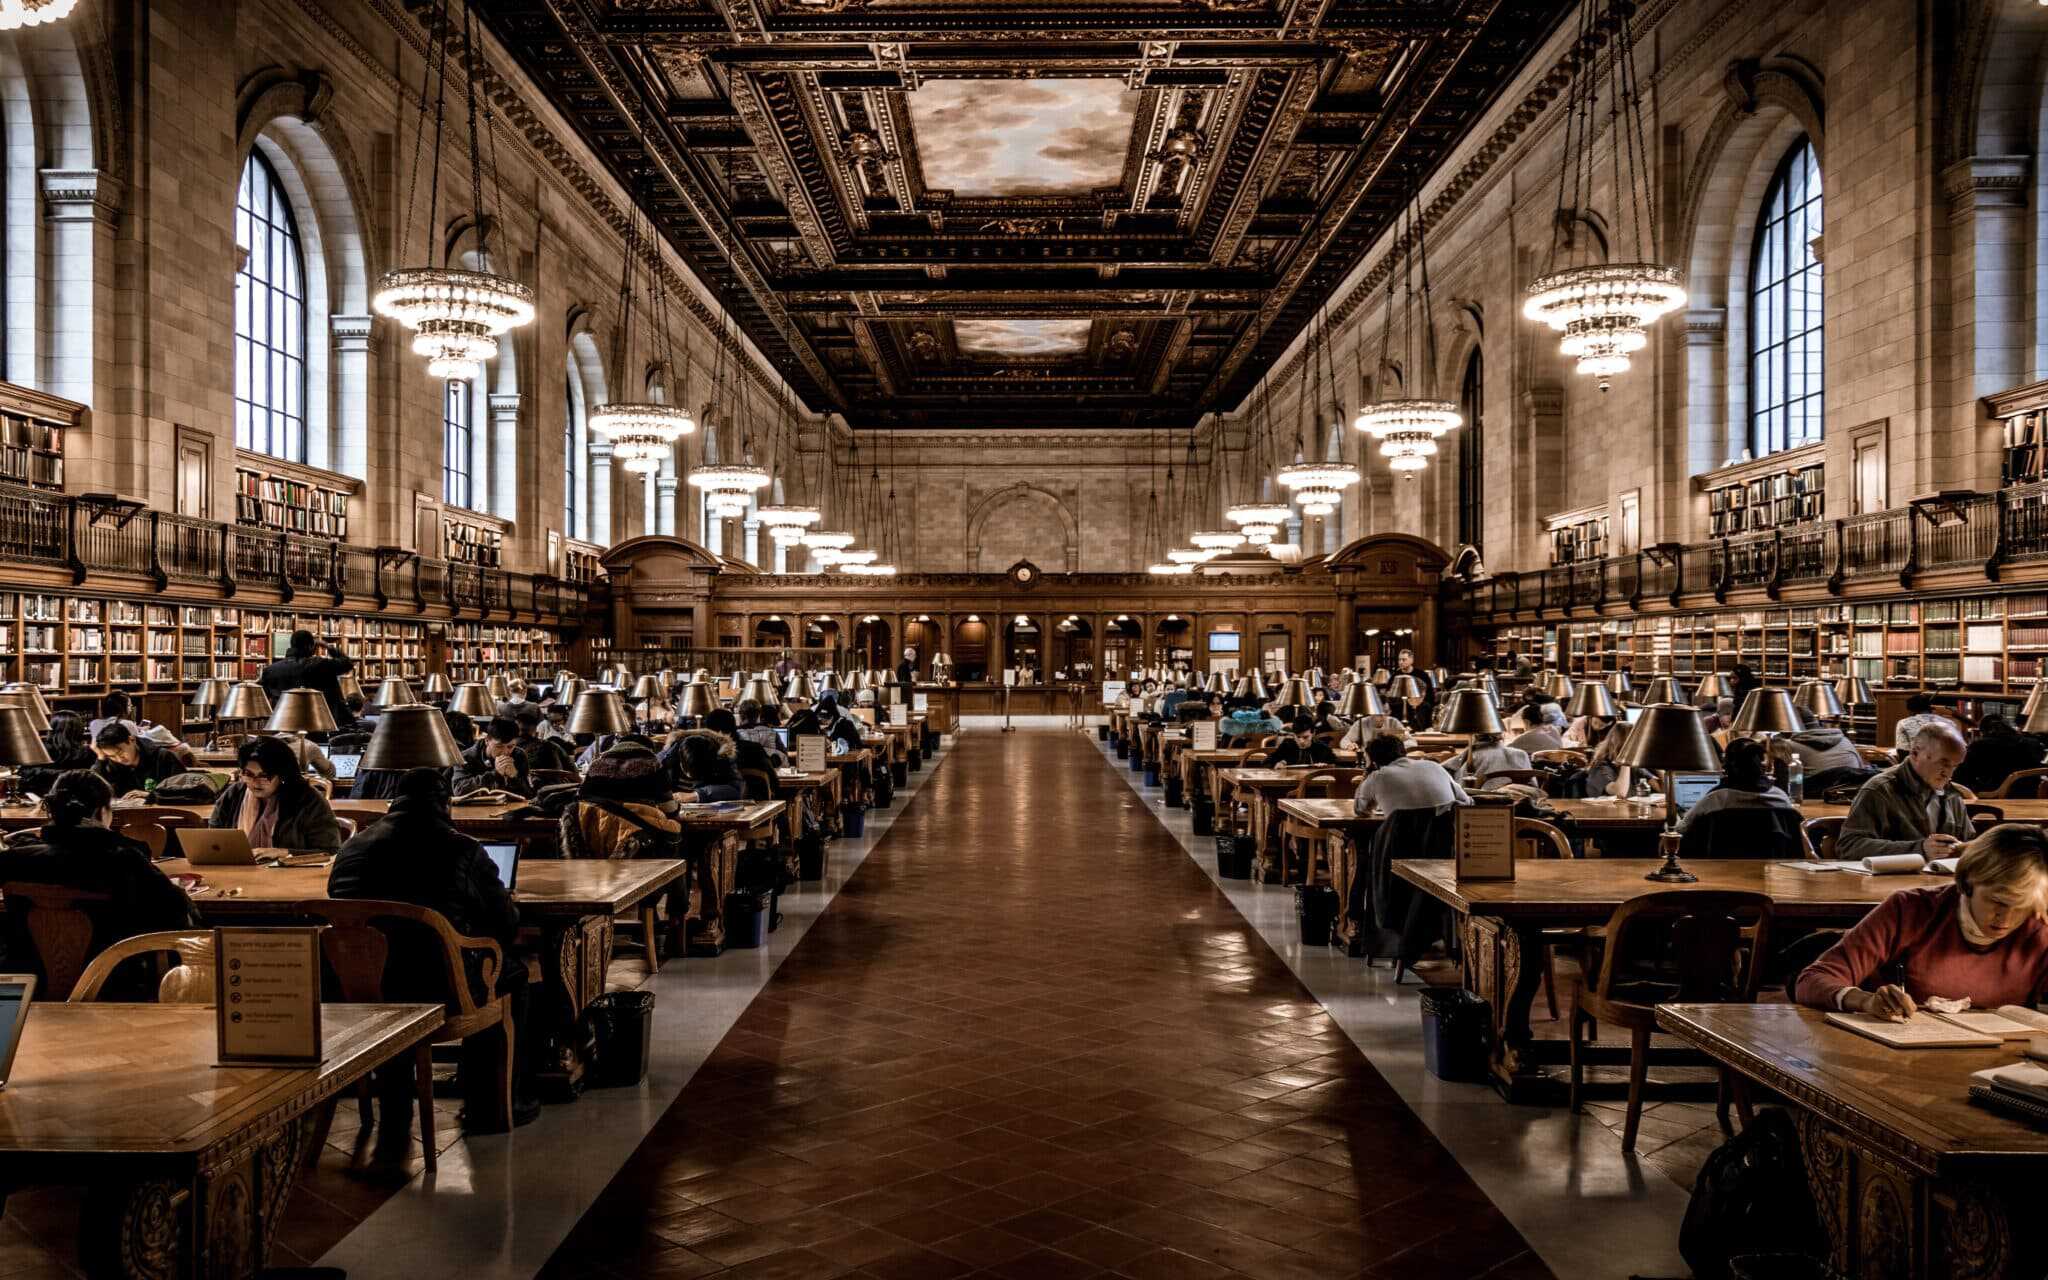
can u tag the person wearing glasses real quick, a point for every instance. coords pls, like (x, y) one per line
(273, 804)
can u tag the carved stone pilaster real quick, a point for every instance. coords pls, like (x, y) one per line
(1985, 183)
(1706, 326)
(82, 195)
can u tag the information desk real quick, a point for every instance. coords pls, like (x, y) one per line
(189, 1166)
(1910, 1177)
(1501, 925)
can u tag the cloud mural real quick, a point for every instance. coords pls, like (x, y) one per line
(1022, 137)
(1020, 337)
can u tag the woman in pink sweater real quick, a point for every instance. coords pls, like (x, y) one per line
(1983, 937)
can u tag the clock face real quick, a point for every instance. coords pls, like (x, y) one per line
(1023, 573)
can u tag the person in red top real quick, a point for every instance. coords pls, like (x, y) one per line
(1982, 937)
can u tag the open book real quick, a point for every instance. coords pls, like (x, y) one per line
(1970, 1029)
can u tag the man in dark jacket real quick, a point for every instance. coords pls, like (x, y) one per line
(1301, 746)
(415, 854)
(540, 753)
(1996, 754)
(309, 664)
(129, 763)
(494, 762)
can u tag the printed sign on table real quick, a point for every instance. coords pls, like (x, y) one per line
(267, 996)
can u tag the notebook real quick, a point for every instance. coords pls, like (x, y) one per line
(2025, 1080)
(1921, 1031)
(506, 858)
(16, 991)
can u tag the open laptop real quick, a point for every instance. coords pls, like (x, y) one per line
(345, 766)
(506, 858)
(208, 847)
(16, 990)
(1633, 714)
(1688, 788)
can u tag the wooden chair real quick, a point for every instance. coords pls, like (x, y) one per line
(358, 945)
(1527, 777)
(59, 924)
(552, 777)
(1821, 834)
(1875, 755)
(172, 945)
(1566, 756)
(1671, 947)
(2020, 784)
(1535, 838)
(153, 827)
(1984, 815)
(1321, 784)
(1962, 791)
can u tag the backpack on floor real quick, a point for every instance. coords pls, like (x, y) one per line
(1751, 1196)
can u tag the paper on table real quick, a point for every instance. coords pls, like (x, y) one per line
(1941, 866)
(1894, 864)
(2021, 1078)
(2009, 1022)
(1921, 1031)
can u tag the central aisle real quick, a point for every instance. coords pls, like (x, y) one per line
(1029, 1037)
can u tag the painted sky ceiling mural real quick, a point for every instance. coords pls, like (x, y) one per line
(1066, 213)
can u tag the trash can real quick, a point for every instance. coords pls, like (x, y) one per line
(1102, 732)
(810, 858)
(853, 820)
(623, 1022)
(1151, 775)
(1123, 748)
(1780, 1266)
(1204, 811)
(746, 919)
(899, 773)
(1455, 1027)
(1233, 858)
(1316, 906)
(1174, 792)
(1137, 759)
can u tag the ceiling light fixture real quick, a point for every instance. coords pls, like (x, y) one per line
(1260, 522)
(786, 523)
(1408, 427)
(15, 14)
(1218, 540)
(1318, 486)
(643, 433)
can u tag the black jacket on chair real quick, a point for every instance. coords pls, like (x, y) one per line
(1291, 752)
(1748, 832)
(1379, 900)
(95, 860)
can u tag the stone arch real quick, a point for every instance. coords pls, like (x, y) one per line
(1025, 496)
(588, 466)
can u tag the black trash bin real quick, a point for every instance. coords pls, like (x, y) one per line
(1123, 748)
(746, 919)
(1173, 790)
(1102, 732)
(810, 858)
(1233, 858)
(1204, 811)
(623, 1022)
(1455, 1027)
(1316, 906)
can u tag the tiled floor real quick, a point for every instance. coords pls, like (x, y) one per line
(1029, 1038)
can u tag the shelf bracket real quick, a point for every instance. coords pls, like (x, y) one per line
(106, 506)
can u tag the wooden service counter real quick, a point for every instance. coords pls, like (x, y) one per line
(986, 699)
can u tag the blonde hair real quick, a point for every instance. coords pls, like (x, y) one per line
(2011, 856)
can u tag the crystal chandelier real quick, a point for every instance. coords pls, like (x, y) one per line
(1190, 556)
(1318, 486)
(15, 14)
(1259, 522)
(872, 570)
(1602, 308)
(456, 316)
(1408, 427)
(1169, 569)
(787, 523)
(642, 434)
(729, 488)
(1218, 540)
(826, 542)
(859, 556)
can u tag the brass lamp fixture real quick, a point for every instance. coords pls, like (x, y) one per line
(1666, 689)
(436, 685)
(22, 701)
(1767, 711)
(1405, 688)
(1295, 693)
(1361, 699)
(649, 689)
(411, 737)
(245, 701)
(1854, 691)
(1555, 683)
(301, 711)
(599, 713)
(1591, 699)
(1715, 687)
(500, 687)
(1469, 711)
(762, 690)
(1489, 686)
(205, 699)
(568, 688)
(395, 691)
(346, 683)
(697, 701)
(1819, 699)
(1671, 738)
(472, 700)
(829, 682)
(20, 743)
(796, 688)
(1381, 675)
(2036, 720)
(1619, 684)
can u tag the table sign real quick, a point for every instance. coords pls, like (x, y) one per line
(1202, 735)
(266, 997)
(920, 702)
(1009, 677)
(899, 714)
(810, 753)
(1111, 691)
(1486, 842)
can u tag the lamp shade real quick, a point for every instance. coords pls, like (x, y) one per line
(1854, 691)
(472, 700)
(1591, 699)
(1619, 684)
(1715, 687)
(1666, 689)
(1767, 711)
(245, 701)
(701, 675)
(1469, 711)
(436, 685)
(567, 689)
(500, 687)
(829, 682)
(1360, 699)
(796, 687)
(395, 691)
(1555, 683)
(301, 711)
(205, 698)
(1670, 736)
(1295, 693)
(1405, 687)
(2035, 720)
(1818, 698)
(20, 700)
(1380, 677)
(649, 688)
(20, 742)
(411, 737)
(2035, 699)
(599, 712)
(762, 690)
(347, 683)
(1489, 686)
(697, 701)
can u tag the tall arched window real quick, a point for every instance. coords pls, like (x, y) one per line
(1785, 373)
(571, 464)
(1472, 452)
(270, 319)
(458, 438)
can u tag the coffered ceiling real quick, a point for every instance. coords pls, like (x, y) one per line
(1057, 213)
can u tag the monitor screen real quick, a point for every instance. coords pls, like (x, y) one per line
(15, 992)
(1225, 642)
(1634, 714)
(506, 858)
(1687, 789)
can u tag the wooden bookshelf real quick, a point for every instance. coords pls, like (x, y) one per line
(32, 429)
(269, 500)
(1577, 536)
(1788, 495)
(479, 650)
(472, 544)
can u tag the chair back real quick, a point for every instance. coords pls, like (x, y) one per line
(759, 784)
(1564, 756)
(174, 944)
(552, 777)
(1326, 783)
(1821, 834)
(1526, 777)
(58, 923)
(1535, 838)
(153, 826)
(1745, 833)
(1985, 815)
(2020, 784)
(379, 951)
(1686, 946)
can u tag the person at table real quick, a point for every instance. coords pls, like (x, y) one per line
(554, 725)
(1424, 710)
(494, 762)
(77, 849)
(415, 854)
(1546, 728)
(1995, 754)
(115, 708)
(515, 701)
(69, 747)
(132, 763)
(1584, 733)
(1367, 727)
(1399, 781)
(1910, 807)
(1746, 816)
(1920, 713)
(750, 751)
(1982, 937)
(273, 804)
(309, 664)
(835, 723)
(541, 752)
(1742, 681)
(1826, 757)
(1171, 702)
(701, 763)
(750, 724)
(906, 670)
(1487, 755)
(1606, 775)
(1301, 746)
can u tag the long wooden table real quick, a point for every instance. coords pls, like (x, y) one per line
(486, 822)
(1501, 925)
(1263, 789)
(188, 1166)
(1912, 1180)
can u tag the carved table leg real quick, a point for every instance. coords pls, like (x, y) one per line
(141, 1229)
(1504, 967)
(1346, 929)
(716, 874)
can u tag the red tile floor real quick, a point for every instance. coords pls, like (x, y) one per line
(1029, 1039)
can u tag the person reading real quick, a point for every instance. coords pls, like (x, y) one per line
(129, 763)
(1746, 816)
(1982, 937)
(1399, 781)
(273, 803)
(1486, 755)
(1910, 807)
(1301, 746)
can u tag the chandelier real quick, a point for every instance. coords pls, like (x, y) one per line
(1218, 540)
(872, 570)
(1602, 308)
(1191, 557)
(456, 316)
(15, 14)
(728, 489)
(1408, 427)
(858, 556)
(786, 523)
(1169, 569)
(1260, 522)
(1318, 486)
(642, 435)
(825, 544)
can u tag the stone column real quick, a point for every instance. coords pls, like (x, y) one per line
(1990, 327)
(75, 328)
(1708, 442)
(352, 355)
(665, 489)
(498, 468)
(750, 542)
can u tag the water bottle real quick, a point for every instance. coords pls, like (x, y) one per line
(1795, 779)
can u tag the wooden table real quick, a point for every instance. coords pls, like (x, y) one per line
(1262, 789)
(1911, 1178)
(188, 1166)
(714, 838)
(1501, 924)
(816, 793)
(491, 823)
(903, 748)
(1194, 762)
(853, 775)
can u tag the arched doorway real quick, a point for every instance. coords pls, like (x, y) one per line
(1074, 652)
(927, 637)
(1024, 648)
(1123, 646)
(823, 633)
(772, 632)
(970, 650)
(871, 644)
(1173, 643)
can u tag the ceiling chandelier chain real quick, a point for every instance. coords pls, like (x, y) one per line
(642, 433)
(1408, 426)
(729, 487)
(1318, 483)
(786, 520)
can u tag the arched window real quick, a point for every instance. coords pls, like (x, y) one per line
(571, 463)
(1472, 453)
(458, 438)
(1785, 351)
(270, 319)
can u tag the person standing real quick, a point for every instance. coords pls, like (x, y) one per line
(906, 670)
(311, 664)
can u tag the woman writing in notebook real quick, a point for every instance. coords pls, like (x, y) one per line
(1982, 937)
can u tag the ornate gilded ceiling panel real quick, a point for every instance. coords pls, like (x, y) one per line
(1062, 212)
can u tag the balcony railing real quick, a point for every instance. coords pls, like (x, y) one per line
(1957, 531)
(85, 536)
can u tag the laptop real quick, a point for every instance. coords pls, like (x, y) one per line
(506, 858)
(1688, 788)
(16, 990)
(1633, 714)
(345, 766)
(207, 847)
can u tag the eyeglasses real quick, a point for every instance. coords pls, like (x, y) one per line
(251, 775)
